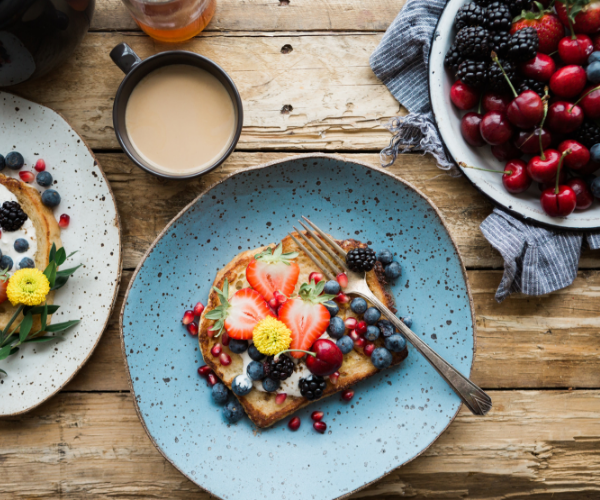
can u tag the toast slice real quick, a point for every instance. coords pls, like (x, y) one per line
(261, 406)
(47, 232)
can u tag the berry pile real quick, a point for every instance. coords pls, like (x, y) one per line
(531, 87)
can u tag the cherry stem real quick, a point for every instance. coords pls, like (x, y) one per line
(495, 59)
(479, 106)
(542, 155)
(560, 162)
(506, 172)
(584, 95)
(297, 350)
(573, 37)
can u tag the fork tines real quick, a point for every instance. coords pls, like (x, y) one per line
(335, 263)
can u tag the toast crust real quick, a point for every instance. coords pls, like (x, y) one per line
(261, 407)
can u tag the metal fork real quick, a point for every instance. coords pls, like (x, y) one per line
(332, 264)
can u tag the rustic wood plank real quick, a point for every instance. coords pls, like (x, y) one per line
(273, 15)
(337, 101)
(531, 445)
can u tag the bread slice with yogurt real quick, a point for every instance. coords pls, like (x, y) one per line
(41, 222)
(260, 406)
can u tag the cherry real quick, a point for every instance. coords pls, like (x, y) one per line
(562, 177)
(470, 129)
(528, 141)
(324, 357)
(575, 49)
(506, 151)
(543, 168)
(582, 194)
(494, 102)
(590, 102)
(514, 178)
(559, 201)
(540, 68)
(495, 128)
(579, 157)
(568, 81)
(564, 117)
(463, 96)
(526, 110)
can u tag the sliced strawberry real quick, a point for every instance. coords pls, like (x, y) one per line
(3, 287)
(272, 271)
(306, 316)
(239, 314)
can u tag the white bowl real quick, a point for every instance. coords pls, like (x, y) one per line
(526, 205)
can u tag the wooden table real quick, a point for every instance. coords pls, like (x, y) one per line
(537, 357)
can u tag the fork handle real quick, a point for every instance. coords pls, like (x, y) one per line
(474, 397)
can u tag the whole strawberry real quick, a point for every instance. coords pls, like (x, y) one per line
(584, 14)
(549, 28)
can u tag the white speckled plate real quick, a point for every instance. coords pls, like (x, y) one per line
(39, 371)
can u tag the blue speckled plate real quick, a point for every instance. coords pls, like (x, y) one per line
(394, 416)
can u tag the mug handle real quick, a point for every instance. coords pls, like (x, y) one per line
(124, 57)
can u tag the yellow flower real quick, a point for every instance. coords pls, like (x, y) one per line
(271, 336)
(28, 287)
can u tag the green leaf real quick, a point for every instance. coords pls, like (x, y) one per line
(2, 371)
(5, 352)
(68, 272)
(59, 282)
(71, 254)
(25, 327)
(50, 273)
(53, 252)
(38, 340)
(39, 309)
(61, 256)
(44, 317)
(14, 350)
(59, 327)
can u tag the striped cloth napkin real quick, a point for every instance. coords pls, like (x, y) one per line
(537, 261)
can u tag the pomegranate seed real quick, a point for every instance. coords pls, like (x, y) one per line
(342, 279)
(211, 333)
(320, 427)
(64, 221)
(294, 424)
(342, 298)
(317, 416)
(361, 328)
(360, 343)
(198, 309)
(26, 176)
(204, 371)
(280, 398)
(353, 335)
(347, 395)
(315, 276)
(216, 350)
(369, 348)
(273, 304)
(224, 359)
(192, 328)
(40, 165)
(212, 379)
(225, 339)
(351, 323)
(188, 317)
(333, 378)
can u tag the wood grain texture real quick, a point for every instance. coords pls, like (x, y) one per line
(273, 15)
(337, 101)
(531, 445)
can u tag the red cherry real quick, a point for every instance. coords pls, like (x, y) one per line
(506, 151)
(526, 110)
(559, 204)
(564, 117)
(294, 424)
(470, 129)
(528, 141)
(575, 50)
(579, 157)
(463, 96)
(495, 127)
(582, 193)
(543, 169)
(587, 19)
(562, 177)
(568, 81)
(517, 181)
(40, 165)
(495, 102)
(327, 358)
(590, 102)
(540, 68)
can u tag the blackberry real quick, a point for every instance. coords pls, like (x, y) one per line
(361, 259)
(473, 43)
(498, 17)
(470, 14)
(529, 84)
(473, 73)
(12, 216)
(279, 369)
(518, 6)
(499, 42)
(496, 79)
(453, 59)
(588, 134)
(312, 387)
(483, 3)
(523, 45)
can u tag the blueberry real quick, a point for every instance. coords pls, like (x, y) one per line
(336, 327)
(14, 160)
(345, 344)
(385, 257)
(395, 343)
(381, 358)
(407, 320)
(332, 307)
(50, 198)
(371, 316)
(392, 270)
(220, 393)
(256, 370)
(593, 72)
(372, 333)
(2, 162)
(270, 384)
(332, 287)
(44, 179)
(6, 263)
(21, 245)
(26, 262)
(594, 188)
(233, 411)
(238, 346)
(255, 354)
(386, 328)
(358, 305)
(241, 385)
(594, 56)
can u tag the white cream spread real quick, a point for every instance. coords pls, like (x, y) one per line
(8, 238)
